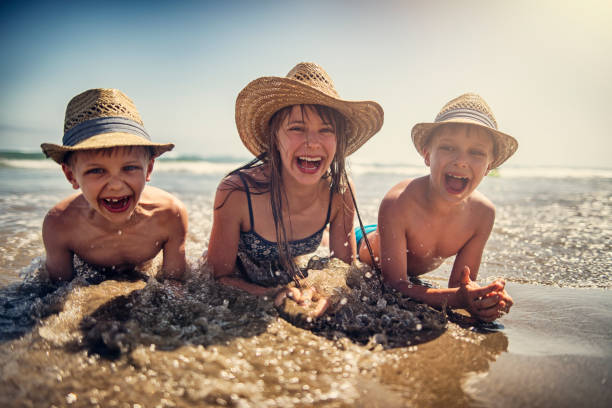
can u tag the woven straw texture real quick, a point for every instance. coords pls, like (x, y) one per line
(505, 145)
(307, 83)
(100, 103)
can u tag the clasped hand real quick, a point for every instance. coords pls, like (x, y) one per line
(486, 303)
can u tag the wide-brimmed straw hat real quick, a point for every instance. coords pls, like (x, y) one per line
(102, 118)
(468, 108)
(306, 84)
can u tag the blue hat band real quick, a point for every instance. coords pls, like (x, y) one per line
(98, 126)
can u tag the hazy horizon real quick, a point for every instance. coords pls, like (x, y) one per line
(541, 66)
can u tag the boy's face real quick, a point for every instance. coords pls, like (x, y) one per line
(459, 157)
(111, 181)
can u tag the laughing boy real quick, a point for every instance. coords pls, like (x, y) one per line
(423, 221)
(115, 222)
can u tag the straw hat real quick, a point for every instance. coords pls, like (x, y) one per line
(102, 118)
(307, 83)
(472, 109)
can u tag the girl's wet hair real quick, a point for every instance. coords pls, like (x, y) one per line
(273, 184)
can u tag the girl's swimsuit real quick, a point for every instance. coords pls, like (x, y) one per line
(264, 253)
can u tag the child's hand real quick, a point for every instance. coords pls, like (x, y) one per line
(505, 302)
(307, 298)
(487, 302)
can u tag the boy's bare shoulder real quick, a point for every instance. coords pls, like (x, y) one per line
(405, 192)
(66, 216)
(481, 205)
(160, 201)
(67, 209)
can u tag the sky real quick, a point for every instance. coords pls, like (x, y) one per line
(544, 67)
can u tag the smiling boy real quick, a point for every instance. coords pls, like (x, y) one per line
(116, 222)
(423, 221)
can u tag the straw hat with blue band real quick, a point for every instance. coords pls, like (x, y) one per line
(99, 119)
(306, 84)
(471, 109)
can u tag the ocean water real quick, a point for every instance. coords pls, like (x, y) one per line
(136, 343)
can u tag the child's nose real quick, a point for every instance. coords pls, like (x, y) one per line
(312, 138)
(115, 182)
(461, 159)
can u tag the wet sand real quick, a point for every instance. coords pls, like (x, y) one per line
(559, 351)
(201, 345)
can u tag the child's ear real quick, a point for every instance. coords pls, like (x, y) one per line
(70, 176)
(150, 169)
(426, 157)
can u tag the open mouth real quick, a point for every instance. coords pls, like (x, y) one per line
(116, 204)
(309, 164)
(455, 184)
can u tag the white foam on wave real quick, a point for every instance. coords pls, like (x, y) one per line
(354, 167)
(554, 172)
(29, 164)
(196, 167)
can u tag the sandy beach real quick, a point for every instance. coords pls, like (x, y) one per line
(529, 358)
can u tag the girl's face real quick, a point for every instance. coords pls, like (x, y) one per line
(307, 145)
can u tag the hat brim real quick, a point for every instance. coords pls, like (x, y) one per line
(263, 97)
(104, 141)
(506, 145)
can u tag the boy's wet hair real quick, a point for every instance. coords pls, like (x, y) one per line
(108, 151)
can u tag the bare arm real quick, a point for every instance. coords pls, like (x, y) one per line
(470, 257)
(224, 237)
(59, 255)
(342, 242)
(225, 232)
(470, 254)
(174, 249)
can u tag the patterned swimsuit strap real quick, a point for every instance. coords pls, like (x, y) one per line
(248, 193)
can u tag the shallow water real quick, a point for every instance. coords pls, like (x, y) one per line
(101, 341)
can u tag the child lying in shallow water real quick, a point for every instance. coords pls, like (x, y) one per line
(116, 221)
(423, 221)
